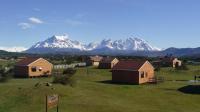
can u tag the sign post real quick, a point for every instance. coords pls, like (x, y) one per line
(52, 101)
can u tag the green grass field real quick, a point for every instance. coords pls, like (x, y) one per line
(92, 93)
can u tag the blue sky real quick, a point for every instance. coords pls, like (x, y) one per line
(163, 23)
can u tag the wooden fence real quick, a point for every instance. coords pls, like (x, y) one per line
(69, 66)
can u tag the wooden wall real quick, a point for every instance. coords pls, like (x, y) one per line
(21, 71)
(45, 65)
(121, 76)
(148, 71)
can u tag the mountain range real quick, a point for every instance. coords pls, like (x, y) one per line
(129, 46)
(13, 49)
(63, 44)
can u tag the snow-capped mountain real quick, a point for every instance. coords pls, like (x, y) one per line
(129, 44)
(64, 44)
(91, 46)
(13, 49)
(59, 42)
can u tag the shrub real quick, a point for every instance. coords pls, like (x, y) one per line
(69, 71)
(3, 79)
(157, 68)
(182, 67)
(66, 77)
(5, 74)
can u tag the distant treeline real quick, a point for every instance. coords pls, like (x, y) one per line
(67, 58)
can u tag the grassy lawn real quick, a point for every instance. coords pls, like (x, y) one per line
(92, 94)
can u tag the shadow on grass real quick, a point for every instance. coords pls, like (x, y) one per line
(27, 77)
(177, 80)
(190, 89)
(115, 83)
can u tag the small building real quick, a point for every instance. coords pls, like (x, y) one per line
(176, 63)
(20, 58)
(94, 60)
(108, 63)
(33, 67)
(134, 72)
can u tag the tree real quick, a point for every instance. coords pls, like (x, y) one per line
(182, 67)
(4, 73)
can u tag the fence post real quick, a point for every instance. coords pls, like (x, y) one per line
(46, 104)
(58, 103)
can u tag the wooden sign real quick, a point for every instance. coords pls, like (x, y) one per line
(52, 101)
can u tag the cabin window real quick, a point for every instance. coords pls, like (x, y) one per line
(40, 69)
(34, 69)
(142, 74)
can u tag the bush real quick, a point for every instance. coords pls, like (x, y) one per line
(69, 71)
(3, 79)
(5, 74)
(66, 77)
(157, 68)
(182, 67)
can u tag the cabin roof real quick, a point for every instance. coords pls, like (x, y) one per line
(27, 61)
(107, 60)
(96, 58)
(129, 65)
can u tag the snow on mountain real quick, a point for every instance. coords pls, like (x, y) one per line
(59, 42)
(129, 44)
(106, 43)
(91, 46)
(63, 43)
(13, 49)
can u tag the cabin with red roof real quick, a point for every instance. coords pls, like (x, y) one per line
(108, 63)
(33, 67)
(133, 72)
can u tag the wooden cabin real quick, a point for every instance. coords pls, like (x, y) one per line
(133, 72)
(108, 63)
(33, 67)
(176, 63)
(93, 60)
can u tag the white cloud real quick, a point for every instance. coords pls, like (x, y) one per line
(74, 22)
(13, 49)
(25, 25)
(32, 21)
(35, 20)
